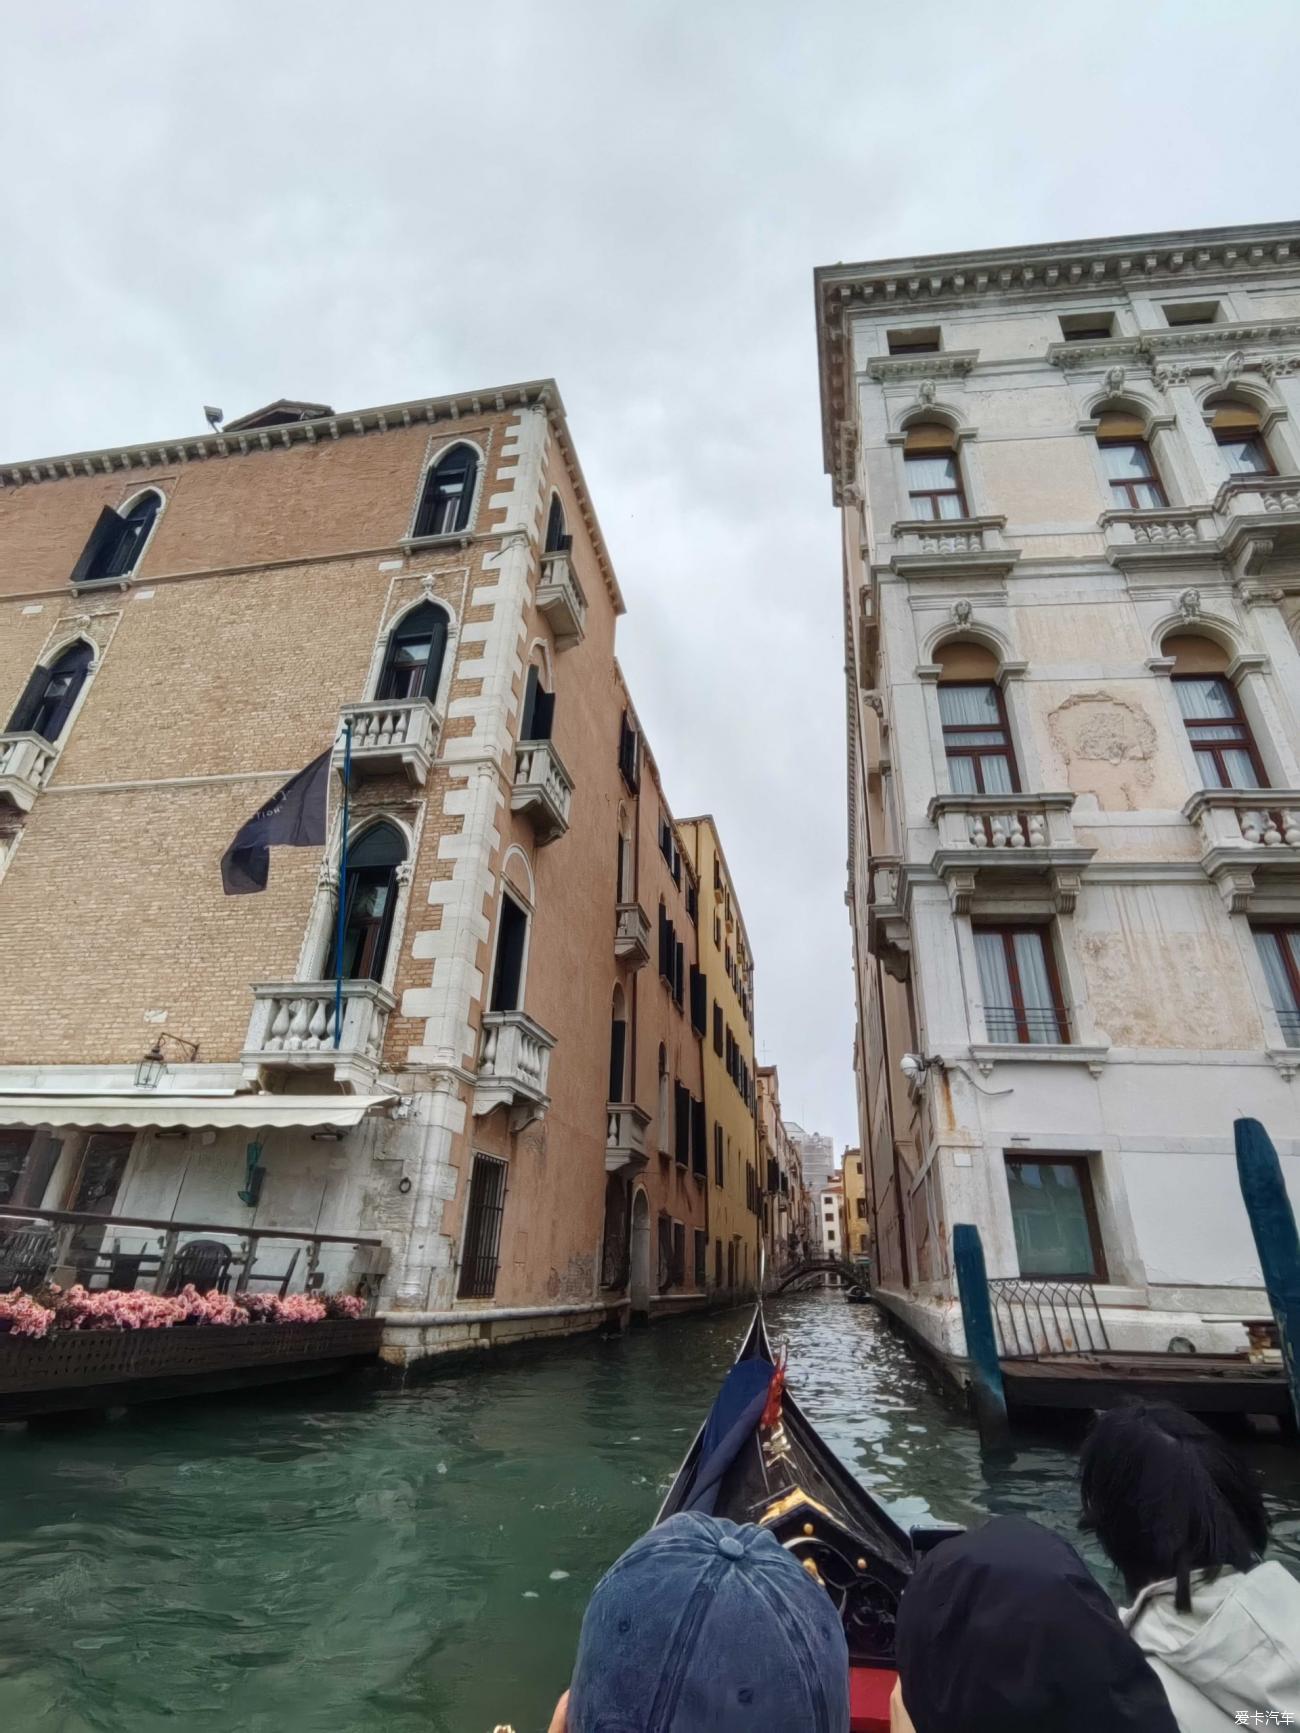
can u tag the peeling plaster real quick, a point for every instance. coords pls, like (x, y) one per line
(1107, 746)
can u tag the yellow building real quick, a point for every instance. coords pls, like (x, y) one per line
(726, 963)
(857, 1222)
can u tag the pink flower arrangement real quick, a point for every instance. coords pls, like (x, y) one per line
(342, 1306)
(293, 1309)
(23, 1316)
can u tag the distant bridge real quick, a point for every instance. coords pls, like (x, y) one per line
(812, 1268)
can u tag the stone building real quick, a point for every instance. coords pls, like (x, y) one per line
(857, 1230)
(1068, 479)
(513, 1100)
(817, 1158)
(786, 1206)
(830, 1216)
(722, 1011)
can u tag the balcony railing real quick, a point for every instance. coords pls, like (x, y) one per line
(632, 935)
(543, 788)
(1159, 535)
(25, 764)
(292, 1029)
(1025, 1025)
(1260, 515)
(514, 1066)
(391, 737)
(939, 547)
(1024, 834)
(560, 599)
(1245, 831)
(625, 1136)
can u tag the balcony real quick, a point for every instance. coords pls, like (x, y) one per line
(1261, 520)
(989, 840)
(1243, 839)
(1161, 537)
(560, 599)
(513, 1068)
(632, 935)
(390, 737)
(951, 548)
(292, 1030)
(25, 764)
(625, 1150)
(543, 789)
(889, 937)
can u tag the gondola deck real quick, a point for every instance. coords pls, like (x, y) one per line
(758, 1459)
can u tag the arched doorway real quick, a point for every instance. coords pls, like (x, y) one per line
(640, 1285)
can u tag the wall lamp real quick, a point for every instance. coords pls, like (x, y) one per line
(149, 1071)
(915, 1065)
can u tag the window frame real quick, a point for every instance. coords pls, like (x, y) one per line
(510, 895)
(1083, 1166)
(934, 494)
(376, 947)
(397, 633)
(1215, 747)
(467, 499)
(1122, 484)
(1291, 969)
(979, 752)
(1008, 932)
(481, 1285)
(1229, 436)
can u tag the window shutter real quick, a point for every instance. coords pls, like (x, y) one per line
(699, 1140)
(682, 1137)
(679, 972)
(665, 952)
(530, 705)
(30, 702)
(543, 715)
(100, 547)
(699, 1002)
(617, 1058)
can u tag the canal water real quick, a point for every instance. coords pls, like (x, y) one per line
(343, 1560)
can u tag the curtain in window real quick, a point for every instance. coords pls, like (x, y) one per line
(1206, 700)
(1275, 948)
(1245, 457)
(995, 985)
(1041, 1023)
(972, 707)
(1050, 1220)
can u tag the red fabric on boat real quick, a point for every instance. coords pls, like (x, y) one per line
(870, 1689)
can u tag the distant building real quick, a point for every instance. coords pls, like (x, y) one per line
(857, 1227)
(787, 1211)
(817, 1153)
(830, 1216)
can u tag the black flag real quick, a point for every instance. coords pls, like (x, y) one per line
(295, 814)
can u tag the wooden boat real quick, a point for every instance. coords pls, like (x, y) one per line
(777, 1472)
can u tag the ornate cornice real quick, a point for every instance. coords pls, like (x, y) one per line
(903, 369)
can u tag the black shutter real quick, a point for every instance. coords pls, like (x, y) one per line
(100, 547)
(543, 715)
(437, 650)
(530, 705)
(617, 1058)
(682, 1128)
(699, 1140)
(30, 702)
(679, 974)
(699, 1002)
(665, 945)
(510, 956)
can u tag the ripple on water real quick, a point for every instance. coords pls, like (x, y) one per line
(418, 1562)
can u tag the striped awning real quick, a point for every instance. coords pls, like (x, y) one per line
(144, 1110)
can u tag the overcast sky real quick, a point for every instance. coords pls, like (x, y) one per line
(359, 203)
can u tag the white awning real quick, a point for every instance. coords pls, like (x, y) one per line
(192, 1112)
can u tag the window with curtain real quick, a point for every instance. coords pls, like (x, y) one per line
(1279, 952)
(976, 739)
(50, 693)
(934, 484)
(1054, 1216)
(369, 896)
(448, 493)
(1022, 996)
(413, 660)
(1135, 483)
(1238, 435)
(1219, 733)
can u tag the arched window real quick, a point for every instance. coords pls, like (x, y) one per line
(618, 1049)
(413, 660)
(51, 692)
(934, 484)
(557, 541)
(1135, 483)
(1238, 435)
(448, 493)
(369, 896)
(117, 540)
(512, 946)
(1220, 736)
(976, 737)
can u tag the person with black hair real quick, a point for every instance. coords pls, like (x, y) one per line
(1180, 1514)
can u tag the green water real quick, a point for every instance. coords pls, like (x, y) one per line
(339, 1560)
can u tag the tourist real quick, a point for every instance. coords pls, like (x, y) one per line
(1005, 1630)
(1182, 1517)
(704, 1626)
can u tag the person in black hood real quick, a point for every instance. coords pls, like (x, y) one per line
(1005, 1630)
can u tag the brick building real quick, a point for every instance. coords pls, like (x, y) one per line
(514, 1098)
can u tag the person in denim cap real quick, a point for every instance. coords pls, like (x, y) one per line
(704, 1626)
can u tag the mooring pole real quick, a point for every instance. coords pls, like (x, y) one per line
(987, 1395)
(1272, 1221)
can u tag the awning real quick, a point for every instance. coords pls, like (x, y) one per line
(191, 1112)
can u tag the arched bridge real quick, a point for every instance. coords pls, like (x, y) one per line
(811, 1268)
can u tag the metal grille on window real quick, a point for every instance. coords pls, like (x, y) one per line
(481, 1257)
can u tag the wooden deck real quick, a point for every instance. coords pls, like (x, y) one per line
(1202, 1383)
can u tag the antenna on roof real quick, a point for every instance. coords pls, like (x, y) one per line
(214, 416)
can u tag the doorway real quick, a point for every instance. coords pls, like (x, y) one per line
(640, 1256)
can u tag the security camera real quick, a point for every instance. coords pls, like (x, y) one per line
(912, 1066)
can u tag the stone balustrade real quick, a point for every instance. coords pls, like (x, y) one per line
(25, 763)
(951, 547)
(1020, 833)
(390, 736)
(625, 1136)
(1246, 833)
(632, 935)
(1159, 534)
(543, 789)
(292, 1029)
(514, 1066)
(560, 599)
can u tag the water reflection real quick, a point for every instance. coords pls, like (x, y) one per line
(353, 1560)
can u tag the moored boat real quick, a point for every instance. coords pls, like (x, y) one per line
(757, 1458)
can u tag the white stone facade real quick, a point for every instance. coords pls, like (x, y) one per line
(1145, 891)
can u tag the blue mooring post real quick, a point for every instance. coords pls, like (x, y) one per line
(1272, 1221)
(987, 1395)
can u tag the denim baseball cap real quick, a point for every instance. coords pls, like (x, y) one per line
(704, 1626)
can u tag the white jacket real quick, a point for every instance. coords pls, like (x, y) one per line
(1237, 1650)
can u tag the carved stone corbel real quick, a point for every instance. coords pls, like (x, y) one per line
(1236, 887)
(961, 890)
(1066, 885)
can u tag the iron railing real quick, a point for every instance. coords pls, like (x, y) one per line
(487, 1202)
(1037, 1317)
(1025, 1025)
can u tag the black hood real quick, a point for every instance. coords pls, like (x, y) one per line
(1006, 1631)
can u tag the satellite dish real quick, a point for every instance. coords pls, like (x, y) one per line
(215, 416)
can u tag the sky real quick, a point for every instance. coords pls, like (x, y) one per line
(360, 204)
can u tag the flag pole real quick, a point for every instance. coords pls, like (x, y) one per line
(343, 879)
